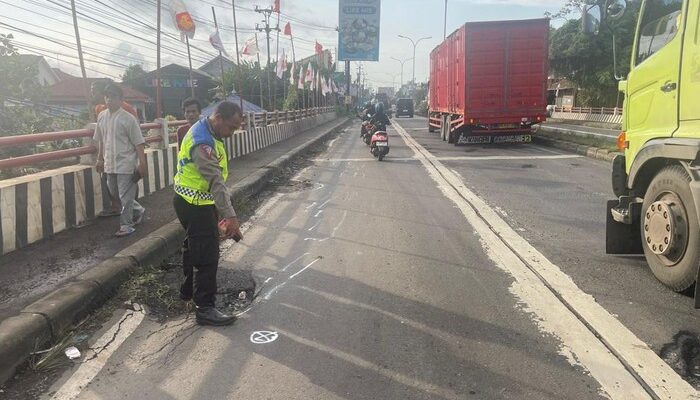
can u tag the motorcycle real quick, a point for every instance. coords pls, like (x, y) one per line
(379, 145)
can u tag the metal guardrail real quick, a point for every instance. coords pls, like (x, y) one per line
(590, 110)
(258, 119)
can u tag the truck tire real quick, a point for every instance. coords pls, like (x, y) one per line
(670, 229)
(452, 137)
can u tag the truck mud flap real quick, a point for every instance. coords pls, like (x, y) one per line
(621, 238)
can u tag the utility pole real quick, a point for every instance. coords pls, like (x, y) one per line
(86, 92)
(158, 83)
(267, 12)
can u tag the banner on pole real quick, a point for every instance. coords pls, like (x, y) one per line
(358, 33)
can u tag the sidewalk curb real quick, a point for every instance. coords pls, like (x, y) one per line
(588, 151)
(45, 319)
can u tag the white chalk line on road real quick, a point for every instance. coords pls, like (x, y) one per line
(96, 359)
(591, 337)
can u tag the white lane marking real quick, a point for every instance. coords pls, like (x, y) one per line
(558, 156)
(304, 269)
(324, 203)
(589, 333)
(96, 360)
(263, 337)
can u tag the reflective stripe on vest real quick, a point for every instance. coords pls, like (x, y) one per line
(189, 183)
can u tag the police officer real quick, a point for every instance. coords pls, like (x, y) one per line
(200, 203)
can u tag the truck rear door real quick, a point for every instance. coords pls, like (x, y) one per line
(652, 85)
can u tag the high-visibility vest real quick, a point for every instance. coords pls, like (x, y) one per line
(189, 182)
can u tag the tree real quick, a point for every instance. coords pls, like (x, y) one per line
(132, 74)
(587, 60)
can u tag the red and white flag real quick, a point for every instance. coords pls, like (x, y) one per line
(302, 77)
(276, 6)
(318, 48)
(215, 40)
(288, 29)
(291, 73)
(309, 75)
(281, 65)
(182, 19)
(250, 48)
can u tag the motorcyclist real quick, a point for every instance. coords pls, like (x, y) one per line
(368, 110)
(379, 119)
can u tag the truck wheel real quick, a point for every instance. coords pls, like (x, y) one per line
(452, 137)
(670, 229)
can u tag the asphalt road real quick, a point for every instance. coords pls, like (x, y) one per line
(440, 273)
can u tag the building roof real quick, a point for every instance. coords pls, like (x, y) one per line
(62, 75)
(214, 66)
(71, 90)
(233, 98)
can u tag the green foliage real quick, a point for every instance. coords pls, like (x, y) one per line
(132, 74)
(292, 100)
(587, 61)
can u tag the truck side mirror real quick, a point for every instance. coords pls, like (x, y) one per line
(615, 9)
(590, 19)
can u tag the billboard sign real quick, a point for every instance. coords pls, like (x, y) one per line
(358, 33)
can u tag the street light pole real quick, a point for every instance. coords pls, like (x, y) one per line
(444, 32)
(414, 43)
(401, 62)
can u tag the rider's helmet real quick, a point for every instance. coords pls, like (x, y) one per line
(379, 108)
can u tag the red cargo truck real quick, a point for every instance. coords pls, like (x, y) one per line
(488, 82)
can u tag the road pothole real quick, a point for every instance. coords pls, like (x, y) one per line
(683, 355)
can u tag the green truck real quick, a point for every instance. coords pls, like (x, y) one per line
(657, 180)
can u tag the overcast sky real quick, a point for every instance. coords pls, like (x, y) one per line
(118, 33)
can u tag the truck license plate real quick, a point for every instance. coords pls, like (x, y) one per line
(474, 139)
(513, 139)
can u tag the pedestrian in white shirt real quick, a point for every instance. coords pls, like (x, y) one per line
(121, 157)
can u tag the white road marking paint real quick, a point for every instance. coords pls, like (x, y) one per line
(393, 375)
(318, 214)
(324, 203)
(101, 351)
(263, 337)
(315, 226)
(294, 262)
(463, 158)
(590, 336)
(311, 205)
(345, 214)
(304, 269)
(316, 239)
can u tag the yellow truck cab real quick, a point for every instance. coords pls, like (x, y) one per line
(657, 180)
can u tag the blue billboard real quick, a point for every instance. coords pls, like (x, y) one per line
(358, 30)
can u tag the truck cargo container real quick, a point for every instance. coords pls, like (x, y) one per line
(488, 82)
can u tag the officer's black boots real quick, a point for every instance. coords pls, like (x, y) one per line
(212, 316)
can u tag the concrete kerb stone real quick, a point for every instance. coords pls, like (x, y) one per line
(47, 318)
(588, 151)
(65, 305)
(20, 336)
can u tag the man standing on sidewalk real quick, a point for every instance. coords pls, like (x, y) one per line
(192, 109)
(97, 90)
(121, 157)
(200, 202)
